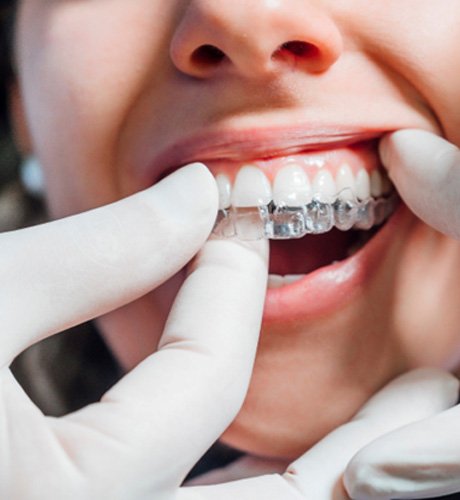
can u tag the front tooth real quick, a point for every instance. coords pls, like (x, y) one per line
(224, 187)
(275, 281)
(376, 184)
(324, 187)
(251, 188)
(345, 181)
(292, 278)
(291, 187)
(363, 185)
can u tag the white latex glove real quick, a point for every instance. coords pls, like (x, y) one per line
(141, 440)
(421, 460)
(426, 171)
(318, 474)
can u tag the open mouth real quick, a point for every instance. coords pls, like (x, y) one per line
(317, 207)
(292, 260)
(322, 199)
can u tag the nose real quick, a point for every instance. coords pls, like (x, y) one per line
(254, 37)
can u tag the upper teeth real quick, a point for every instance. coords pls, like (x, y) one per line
(293, 187)
(251, 189)
(225, 191)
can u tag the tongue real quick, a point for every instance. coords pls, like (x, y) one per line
(304, 255)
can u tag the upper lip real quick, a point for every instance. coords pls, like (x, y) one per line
(255, 143)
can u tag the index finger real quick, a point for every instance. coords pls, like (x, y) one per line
(59, 274)
(425, 169)
(170, 409)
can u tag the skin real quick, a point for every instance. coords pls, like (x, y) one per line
(106, 84)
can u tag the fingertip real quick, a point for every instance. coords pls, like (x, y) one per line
(358, 478)
(235, 254)
(198, 173)
(441, 384)
(189, 195)
(396, 147)
(413, 148)
(193, 183)
(260, 248)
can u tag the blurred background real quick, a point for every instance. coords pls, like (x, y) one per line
(19, 204)
(11, 208)
(8, 154)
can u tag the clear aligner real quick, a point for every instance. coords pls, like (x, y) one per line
(317, 217)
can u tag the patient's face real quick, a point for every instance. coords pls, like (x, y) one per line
(117, 92)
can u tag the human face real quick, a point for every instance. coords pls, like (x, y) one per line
(110, 87)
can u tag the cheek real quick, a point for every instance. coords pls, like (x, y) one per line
(427, 313)
(417, 50)
(435, 69)
(80, 80)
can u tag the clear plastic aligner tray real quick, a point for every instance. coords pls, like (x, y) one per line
(317, 217)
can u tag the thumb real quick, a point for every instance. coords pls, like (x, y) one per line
(426, 171)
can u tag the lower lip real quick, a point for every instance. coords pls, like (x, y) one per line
(331, 287)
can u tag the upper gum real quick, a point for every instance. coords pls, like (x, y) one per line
(364, 158)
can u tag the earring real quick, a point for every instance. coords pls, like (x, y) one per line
(31, 175)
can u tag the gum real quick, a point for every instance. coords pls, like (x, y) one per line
(317, 217)
(356, 157)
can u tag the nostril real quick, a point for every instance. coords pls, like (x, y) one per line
(298, 48)
(207, 55)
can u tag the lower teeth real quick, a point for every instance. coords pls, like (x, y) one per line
(283, 223)
(277, 281)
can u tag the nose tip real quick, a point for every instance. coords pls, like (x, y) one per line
(254, 37)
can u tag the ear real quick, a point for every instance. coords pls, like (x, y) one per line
(19, 121)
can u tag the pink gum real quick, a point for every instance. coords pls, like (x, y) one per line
(357, 157)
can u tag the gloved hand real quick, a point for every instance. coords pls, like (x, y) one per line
(141, 440)
(426, 171)
(146, 433)
(318, 474)
(421, 460)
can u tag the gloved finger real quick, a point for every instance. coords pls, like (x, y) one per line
(243, 468)
(318, 474)
(410, 397)
(421, 460)
(426, 171)
(65, 272)
(268, 487)
(170, 409)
